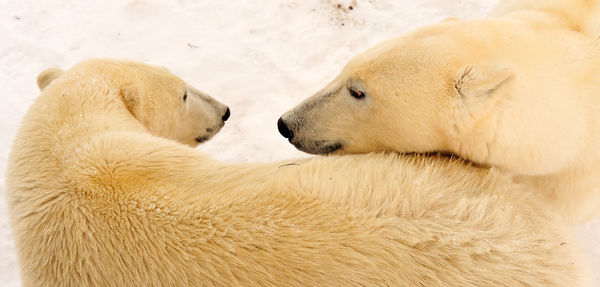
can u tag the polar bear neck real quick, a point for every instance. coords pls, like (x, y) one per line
(67, 115)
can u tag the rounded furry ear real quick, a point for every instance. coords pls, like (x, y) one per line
(477, 81)
(47, 76)
(129, 95)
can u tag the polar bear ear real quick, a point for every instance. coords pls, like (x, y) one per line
(481, 81)
(47, 76)
(129, 95)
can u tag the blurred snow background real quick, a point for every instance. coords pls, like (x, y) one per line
(259, 57)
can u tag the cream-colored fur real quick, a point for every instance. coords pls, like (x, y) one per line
(517, 90)
(99, 197)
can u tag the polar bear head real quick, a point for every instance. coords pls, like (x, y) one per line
(470, 88)
(166, 105)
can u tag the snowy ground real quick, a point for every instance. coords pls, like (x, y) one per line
(259, 57)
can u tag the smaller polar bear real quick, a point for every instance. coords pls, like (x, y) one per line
(102, 192)
(517, 91)
(194, 117)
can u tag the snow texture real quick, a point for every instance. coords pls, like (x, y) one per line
(259, 57)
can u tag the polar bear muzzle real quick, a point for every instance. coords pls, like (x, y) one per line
(313, 146)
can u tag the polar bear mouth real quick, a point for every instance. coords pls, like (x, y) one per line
(202, 139)
(331, 148)
(210, 132)
(318, 147)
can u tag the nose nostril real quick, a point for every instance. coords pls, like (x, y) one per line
(226, 115)
(284, 130)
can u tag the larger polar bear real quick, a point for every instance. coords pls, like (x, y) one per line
(102, 193)
(518, 91)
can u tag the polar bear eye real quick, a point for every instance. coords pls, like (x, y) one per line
(357, 94)
(185, 96)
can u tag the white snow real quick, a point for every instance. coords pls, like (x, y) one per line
(259, 57)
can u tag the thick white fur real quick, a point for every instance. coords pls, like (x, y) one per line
(517, 90)
(97, 199)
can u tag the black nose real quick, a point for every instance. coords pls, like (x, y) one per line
(226, 115)
(284, 130)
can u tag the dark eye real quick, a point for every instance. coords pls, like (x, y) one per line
(185, 96)
(357, 94)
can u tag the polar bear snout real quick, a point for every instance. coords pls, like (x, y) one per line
(200, 117)
(298, 137)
